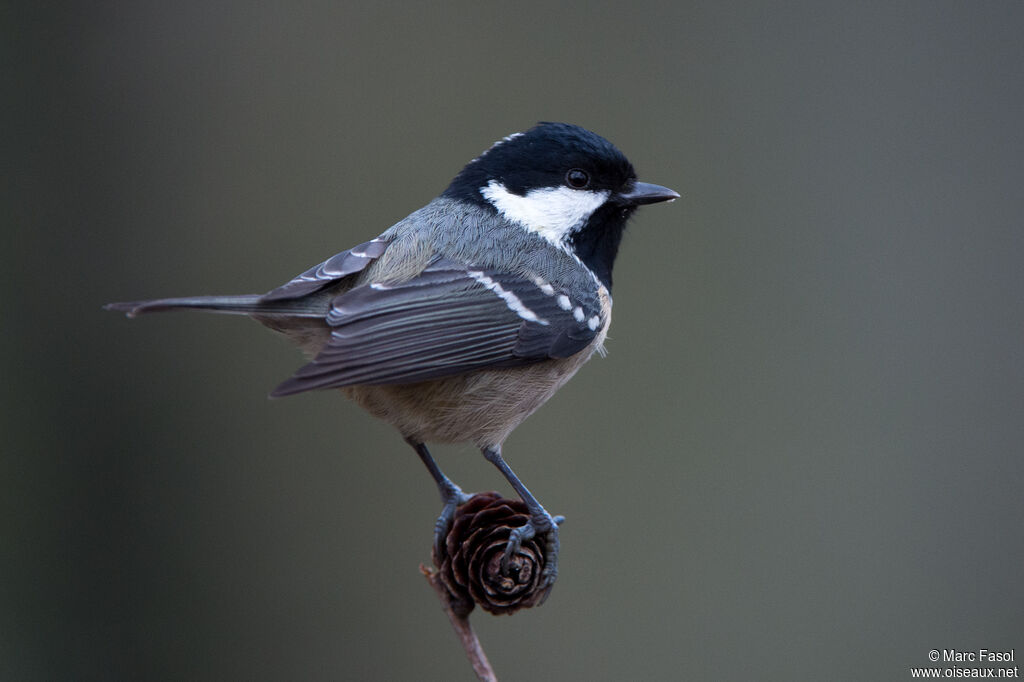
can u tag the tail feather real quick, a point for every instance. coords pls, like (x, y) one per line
(248, 304)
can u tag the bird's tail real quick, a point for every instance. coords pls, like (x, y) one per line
(249, 304)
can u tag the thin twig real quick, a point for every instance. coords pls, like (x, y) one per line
(474, 652)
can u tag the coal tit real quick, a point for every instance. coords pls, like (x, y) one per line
(459, 321)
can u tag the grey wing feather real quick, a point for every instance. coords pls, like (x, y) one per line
(330, 271)
(292, 299)
(449, 320)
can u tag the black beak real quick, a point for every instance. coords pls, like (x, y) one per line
(646, 193)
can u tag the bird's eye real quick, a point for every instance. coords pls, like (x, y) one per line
(577, 178)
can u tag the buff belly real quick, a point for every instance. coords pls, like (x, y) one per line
(480, 407)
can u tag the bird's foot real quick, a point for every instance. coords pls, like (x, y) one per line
(543, 524)
(453, 497)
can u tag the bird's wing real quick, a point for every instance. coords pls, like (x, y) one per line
(331, 270)
(451, 318)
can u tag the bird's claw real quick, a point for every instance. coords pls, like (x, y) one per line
(539, 524)
(453, 498)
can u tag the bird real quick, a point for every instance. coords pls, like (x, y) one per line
(459, 321)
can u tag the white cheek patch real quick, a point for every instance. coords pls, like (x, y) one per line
(552, 212)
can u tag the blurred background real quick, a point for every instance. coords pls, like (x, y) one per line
(801, 459)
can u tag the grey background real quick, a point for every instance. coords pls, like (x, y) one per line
(800, 460)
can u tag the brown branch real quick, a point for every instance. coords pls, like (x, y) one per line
(474, 652)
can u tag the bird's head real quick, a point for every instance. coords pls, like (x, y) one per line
(564, 183)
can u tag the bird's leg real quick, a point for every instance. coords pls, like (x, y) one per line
(541, 522)
(451, 494)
